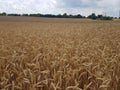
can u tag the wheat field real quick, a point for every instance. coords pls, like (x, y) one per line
(59, 54)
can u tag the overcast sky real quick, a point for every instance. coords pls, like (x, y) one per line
(84, 7)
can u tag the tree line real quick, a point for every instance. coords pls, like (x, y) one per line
(65, 15)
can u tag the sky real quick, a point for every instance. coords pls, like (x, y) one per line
(83, 7)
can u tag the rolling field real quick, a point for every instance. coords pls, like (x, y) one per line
(59, 54)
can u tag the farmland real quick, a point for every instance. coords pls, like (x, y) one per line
(59, 54)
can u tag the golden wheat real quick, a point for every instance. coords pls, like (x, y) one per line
(59, 54)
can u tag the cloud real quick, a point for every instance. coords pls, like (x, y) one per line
(111, 7)
(76, 3)
(85, 7)
(25, 6)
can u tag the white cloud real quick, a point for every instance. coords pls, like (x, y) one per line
(85, 7)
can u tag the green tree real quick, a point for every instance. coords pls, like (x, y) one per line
(107, 18)
(65, 15)
(92, 16)
(3, 14)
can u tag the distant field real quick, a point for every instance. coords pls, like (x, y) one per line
(59, 54)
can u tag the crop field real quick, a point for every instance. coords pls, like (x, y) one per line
(59, 54)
